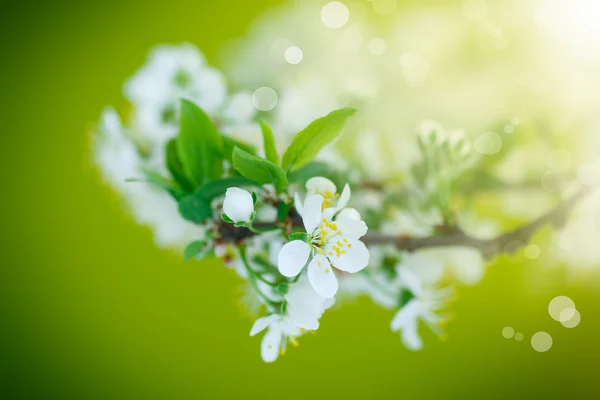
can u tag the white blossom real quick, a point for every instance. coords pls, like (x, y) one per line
(418, 276)
(332, 242)
(280, 329)
(304, 305)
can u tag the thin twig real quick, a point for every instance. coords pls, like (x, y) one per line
(488, 247)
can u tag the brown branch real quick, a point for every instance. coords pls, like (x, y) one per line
(488, 247)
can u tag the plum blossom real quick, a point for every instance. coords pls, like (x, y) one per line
(332, 241)
(280, 329)
(418, 276)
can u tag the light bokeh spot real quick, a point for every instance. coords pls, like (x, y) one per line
(264, 98)
(335, 15)
(488, 143)
(532, 251)
(570, 318)
(294, 55)
(519, 336)
(558, 304)
(541, 341)
(508, 332)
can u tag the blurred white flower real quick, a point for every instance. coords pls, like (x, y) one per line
(304, 306)
(238, 205)
(280, 330)
(419, 274)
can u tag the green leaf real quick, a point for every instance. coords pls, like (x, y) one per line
(199, 145)
(229, 144)
(192, 249)
(314, 137)
(269, 142)
(259, 170)
(175, 167)
(197, 207)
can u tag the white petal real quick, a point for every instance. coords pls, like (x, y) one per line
(351, 228)
(270, 345)
(354, 259)
(293, 257)
(350, 213)
(262, 323)
(320, 185)
(311, 213)
(321, 277)
(238, 204)
(344, 198)
(410, 337)
(305, 306)
(298, 203)
(406, 315)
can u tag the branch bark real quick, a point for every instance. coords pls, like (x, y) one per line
(488, 247)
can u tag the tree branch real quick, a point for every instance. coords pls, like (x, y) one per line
(488, 247)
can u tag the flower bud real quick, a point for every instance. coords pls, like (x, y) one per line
(238, 205)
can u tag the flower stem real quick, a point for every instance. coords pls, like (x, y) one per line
(252, 278)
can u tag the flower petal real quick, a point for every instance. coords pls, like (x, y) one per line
(262, 323)
(292, 258)
(344, 198)
(298, 203)
(351, 228)
(355, 258)
(321, 277)
(406, 315)
(320, 185)
(270, 345)
(410, 337)
(304, 305)
(350, 213)
(311, 213)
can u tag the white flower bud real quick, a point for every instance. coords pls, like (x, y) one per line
(238, 204)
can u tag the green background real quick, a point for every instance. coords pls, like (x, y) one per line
(93, 309)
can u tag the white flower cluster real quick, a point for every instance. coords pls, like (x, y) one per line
(295, 240)
(132, 150)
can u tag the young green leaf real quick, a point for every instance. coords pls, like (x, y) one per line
(314, 137)
(269, 142)
(175, 167)
(259, 170)
(199, 145)
(192, 249)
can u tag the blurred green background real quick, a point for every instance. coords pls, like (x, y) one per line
(93, 309)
